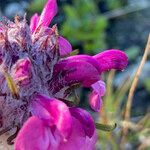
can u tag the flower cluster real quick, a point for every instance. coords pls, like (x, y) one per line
(36, 77)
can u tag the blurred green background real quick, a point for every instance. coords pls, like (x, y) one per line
(96, 25)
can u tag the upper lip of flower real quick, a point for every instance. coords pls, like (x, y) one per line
(47, 15)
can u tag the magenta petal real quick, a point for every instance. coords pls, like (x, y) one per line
(59, 112)
(99, 87)
(33, 136)
(85, 58)
(42, 113)
(91, 142)
(81, 69)
(77, 138)
(99, 90)
(33, 22)
(82, 72)
(85, 119)
(49, 11)
(95, 101)
(112, 59)
(78, 72)
(21, 71)
(64, 46)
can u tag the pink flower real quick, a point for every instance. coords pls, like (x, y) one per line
(32, 68)
(44, 20)
(86, 70)
(82, 69)
(55, 126)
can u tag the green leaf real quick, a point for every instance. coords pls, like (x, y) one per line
(132, 52)
(146, 83)
(36, 6)
(105, 127)
(74, 52)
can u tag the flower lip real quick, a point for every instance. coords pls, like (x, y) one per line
(95, 99)
(53, 112)
(99, 87)
(33, 135)
(85, 119)
(84, 58)
(77, 71)
(112, 59)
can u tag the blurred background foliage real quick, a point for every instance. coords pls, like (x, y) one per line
(84, 25)
(93, 26)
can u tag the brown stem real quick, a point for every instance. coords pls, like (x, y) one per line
(132, 90)
(12, 137)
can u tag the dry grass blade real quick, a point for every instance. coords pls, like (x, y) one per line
(132, 90)
(131, 125)
(11, 85)
(121, 91)
(145, 144)
(109, 83)
(103, 112)
(144, 120)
